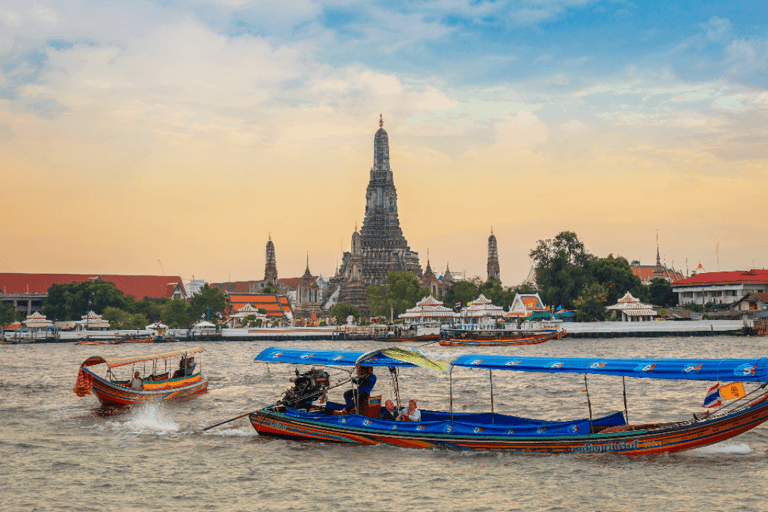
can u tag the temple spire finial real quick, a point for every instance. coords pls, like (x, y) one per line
(381, 120)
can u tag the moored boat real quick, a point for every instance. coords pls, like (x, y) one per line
(610, 433)
(159, 382)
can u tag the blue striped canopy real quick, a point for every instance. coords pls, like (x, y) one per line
(745, 370)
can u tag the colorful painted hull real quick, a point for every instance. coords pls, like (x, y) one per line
(480, 340)
(535, 437)
(110, 393)
(424, 337)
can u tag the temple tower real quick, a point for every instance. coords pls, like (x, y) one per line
(307, 295)
(270, 268)
(658, 270)
(384, 248)
(494, 271)
(353, 289)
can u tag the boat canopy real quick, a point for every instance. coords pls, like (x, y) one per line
(123, 361)
(744, 370)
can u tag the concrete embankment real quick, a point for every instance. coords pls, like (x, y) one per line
(652, 329)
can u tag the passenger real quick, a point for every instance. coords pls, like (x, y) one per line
(136, 382)
(182, 368)
(190, 368)
(412, 414)
(365, 381)
(388, 412)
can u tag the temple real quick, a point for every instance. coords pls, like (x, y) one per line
(353, 288)
(270, 268)
(494, 271)
(384, 248)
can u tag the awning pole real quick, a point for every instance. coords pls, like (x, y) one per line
(450, 380)
(493, 413)
(626, 414)
(586, 388)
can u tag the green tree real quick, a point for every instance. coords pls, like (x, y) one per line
(590, 305)
(561, 273)
(269, 288)
(7, 313)
(177, 313)
(661, 294)
(461, 291)
(73, 300)
(208, 303)
(149, 308)
(342, 310)
(402, 291)
(615, 274)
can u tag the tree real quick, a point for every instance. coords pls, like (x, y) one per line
(590, 305)
(7, 313)
(461, 291)
(561, 273)
(149, 308)
(209, 302)
(342, 310)
(177, 313)
(269, 288)
(661, 294)
(119, 319)
(73, 300)
(402, 291)
(616, 276)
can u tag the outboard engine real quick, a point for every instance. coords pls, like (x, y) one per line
(307, 387)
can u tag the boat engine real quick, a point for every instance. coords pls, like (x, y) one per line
(307, 387)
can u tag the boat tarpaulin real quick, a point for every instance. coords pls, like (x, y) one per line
(123, 361)
(745, 370)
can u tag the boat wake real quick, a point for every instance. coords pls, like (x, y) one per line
(723, 448)
(149, 418)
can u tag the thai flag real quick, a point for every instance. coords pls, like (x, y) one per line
(458, 305)
(713, 397)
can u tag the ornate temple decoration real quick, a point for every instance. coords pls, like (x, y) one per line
(383, 246)
(307, 295)
(353, 288)
(494, 271)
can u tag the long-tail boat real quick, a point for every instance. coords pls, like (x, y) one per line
(610, 433)
(499, 337)
(157, 380)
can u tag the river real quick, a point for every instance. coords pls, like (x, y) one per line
(61, 452)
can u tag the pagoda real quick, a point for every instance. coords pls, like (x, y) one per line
(353, 289)
(494, 271)
(383, 246)
(270, 268)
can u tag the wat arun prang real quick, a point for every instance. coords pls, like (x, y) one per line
(384, 248)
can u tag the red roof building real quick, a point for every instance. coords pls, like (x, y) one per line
(276, 306)
(720, 287)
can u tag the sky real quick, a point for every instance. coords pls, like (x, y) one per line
(175, 137)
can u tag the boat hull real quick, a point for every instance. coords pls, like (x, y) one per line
(479, 340)
(633, 440)
(113, 394)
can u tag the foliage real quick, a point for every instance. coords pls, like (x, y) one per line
(661, 294)
(696, 308)
(590, 305)
(150, 308)
(262, 311)
(7, 313)
(461, 291)
(73, 300)
(615, 274)
(401, 292)
(209, 302)
(561, 273)
(119, 319)
(269, 288)
(342, 310)
(496, 294)
(177, 313)
(322, 323)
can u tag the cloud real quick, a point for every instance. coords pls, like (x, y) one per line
(716, 28)
(745, 56)
(521, 130)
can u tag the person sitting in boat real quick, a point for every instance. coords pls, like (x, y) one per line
(136, 382)
(411, 414)
(365, 381)
(189, 368)
(186, 367)
(389, 412)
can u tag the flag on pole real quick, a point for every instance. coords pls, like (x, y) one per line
(713, 397)
(458, 305)
(732, 390)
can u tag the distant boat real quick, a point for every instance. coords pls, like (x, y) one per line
(160, 384)
(298, 418)
(499, 337)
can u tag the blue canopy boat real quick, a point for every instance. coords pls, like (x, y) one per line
(493, 431)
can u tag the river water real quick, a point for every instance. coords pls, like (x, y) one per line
(61, 452)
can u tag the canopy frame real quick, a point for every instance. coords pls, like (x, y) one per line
(125, 361)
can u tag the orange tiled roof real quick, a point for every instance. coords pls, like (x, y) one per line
(138, 286)
(274, 305)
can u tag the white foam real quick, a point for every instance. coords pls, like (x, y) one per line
(723, 448)
(148, 418)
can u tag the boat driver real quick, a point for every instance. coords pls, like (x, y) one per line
(365, 381)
